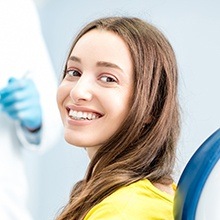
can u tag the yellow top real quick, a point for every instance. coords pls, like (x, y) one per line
(138, 201)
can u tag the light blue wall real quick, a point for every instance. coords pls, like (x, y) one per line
(193, 28)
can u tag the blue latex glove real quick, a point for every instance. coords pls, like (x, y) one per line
(20, 100)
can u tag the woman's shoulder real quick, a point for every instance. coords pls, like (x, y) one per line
(139, 200)
(140, 193)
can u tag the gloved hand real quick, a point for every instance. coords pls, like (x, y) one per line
(20, 100)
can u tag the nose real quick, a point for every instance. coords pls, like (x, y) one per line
(82, 90)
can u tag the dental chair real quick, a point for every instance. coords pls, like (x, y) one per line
(198, 190)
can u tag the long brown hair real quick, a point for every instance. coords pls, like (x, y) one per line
(145, 144)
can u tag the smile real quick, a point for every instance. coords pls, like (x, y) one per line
(79, 115)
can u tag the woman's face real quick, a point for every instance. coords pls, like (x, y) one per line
(94, 97)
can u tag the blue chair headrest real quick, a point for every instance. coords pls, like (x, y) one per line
(194, 176)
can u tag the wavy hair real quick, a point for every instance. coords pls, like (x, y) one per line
(145, 144)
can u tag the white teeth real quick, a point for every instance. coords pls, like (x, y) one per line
(82, 115)
(78, 114)
(89, 116)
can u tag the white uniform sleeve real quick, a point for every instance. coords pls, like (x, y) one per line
(43, 75)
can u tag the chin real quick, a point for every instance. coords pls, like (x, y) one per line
(74, 141)
(70, 140)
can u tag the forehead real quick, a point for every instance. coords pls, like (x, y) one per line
(101, 45)
(101, 35)
(97, 40)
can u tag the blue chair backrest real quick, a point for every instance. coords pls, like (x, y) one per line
(194, 177)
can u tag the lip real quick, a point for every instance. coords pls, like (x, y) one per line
(72, 121)
(82, 109)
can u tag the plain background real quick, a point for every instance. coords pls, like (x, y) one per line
(192, 27)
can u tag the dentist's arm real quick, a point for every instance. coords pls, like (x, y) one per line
(20, 100)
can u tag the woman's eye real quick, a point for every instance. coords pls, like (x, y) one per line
(73, 73)
(107, 79)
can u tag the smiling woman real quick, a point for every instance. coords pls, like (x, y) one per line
(118, 99)
(98, 85)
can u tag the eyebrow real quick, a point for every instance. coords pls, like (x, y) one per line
(108, 64)
(99, 63)
(73, 58)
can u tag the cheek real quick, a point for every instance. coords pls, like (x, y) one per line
(62, 93)
(121, 107)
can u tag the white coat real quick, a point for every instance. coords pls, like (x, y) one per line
(22, 49)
